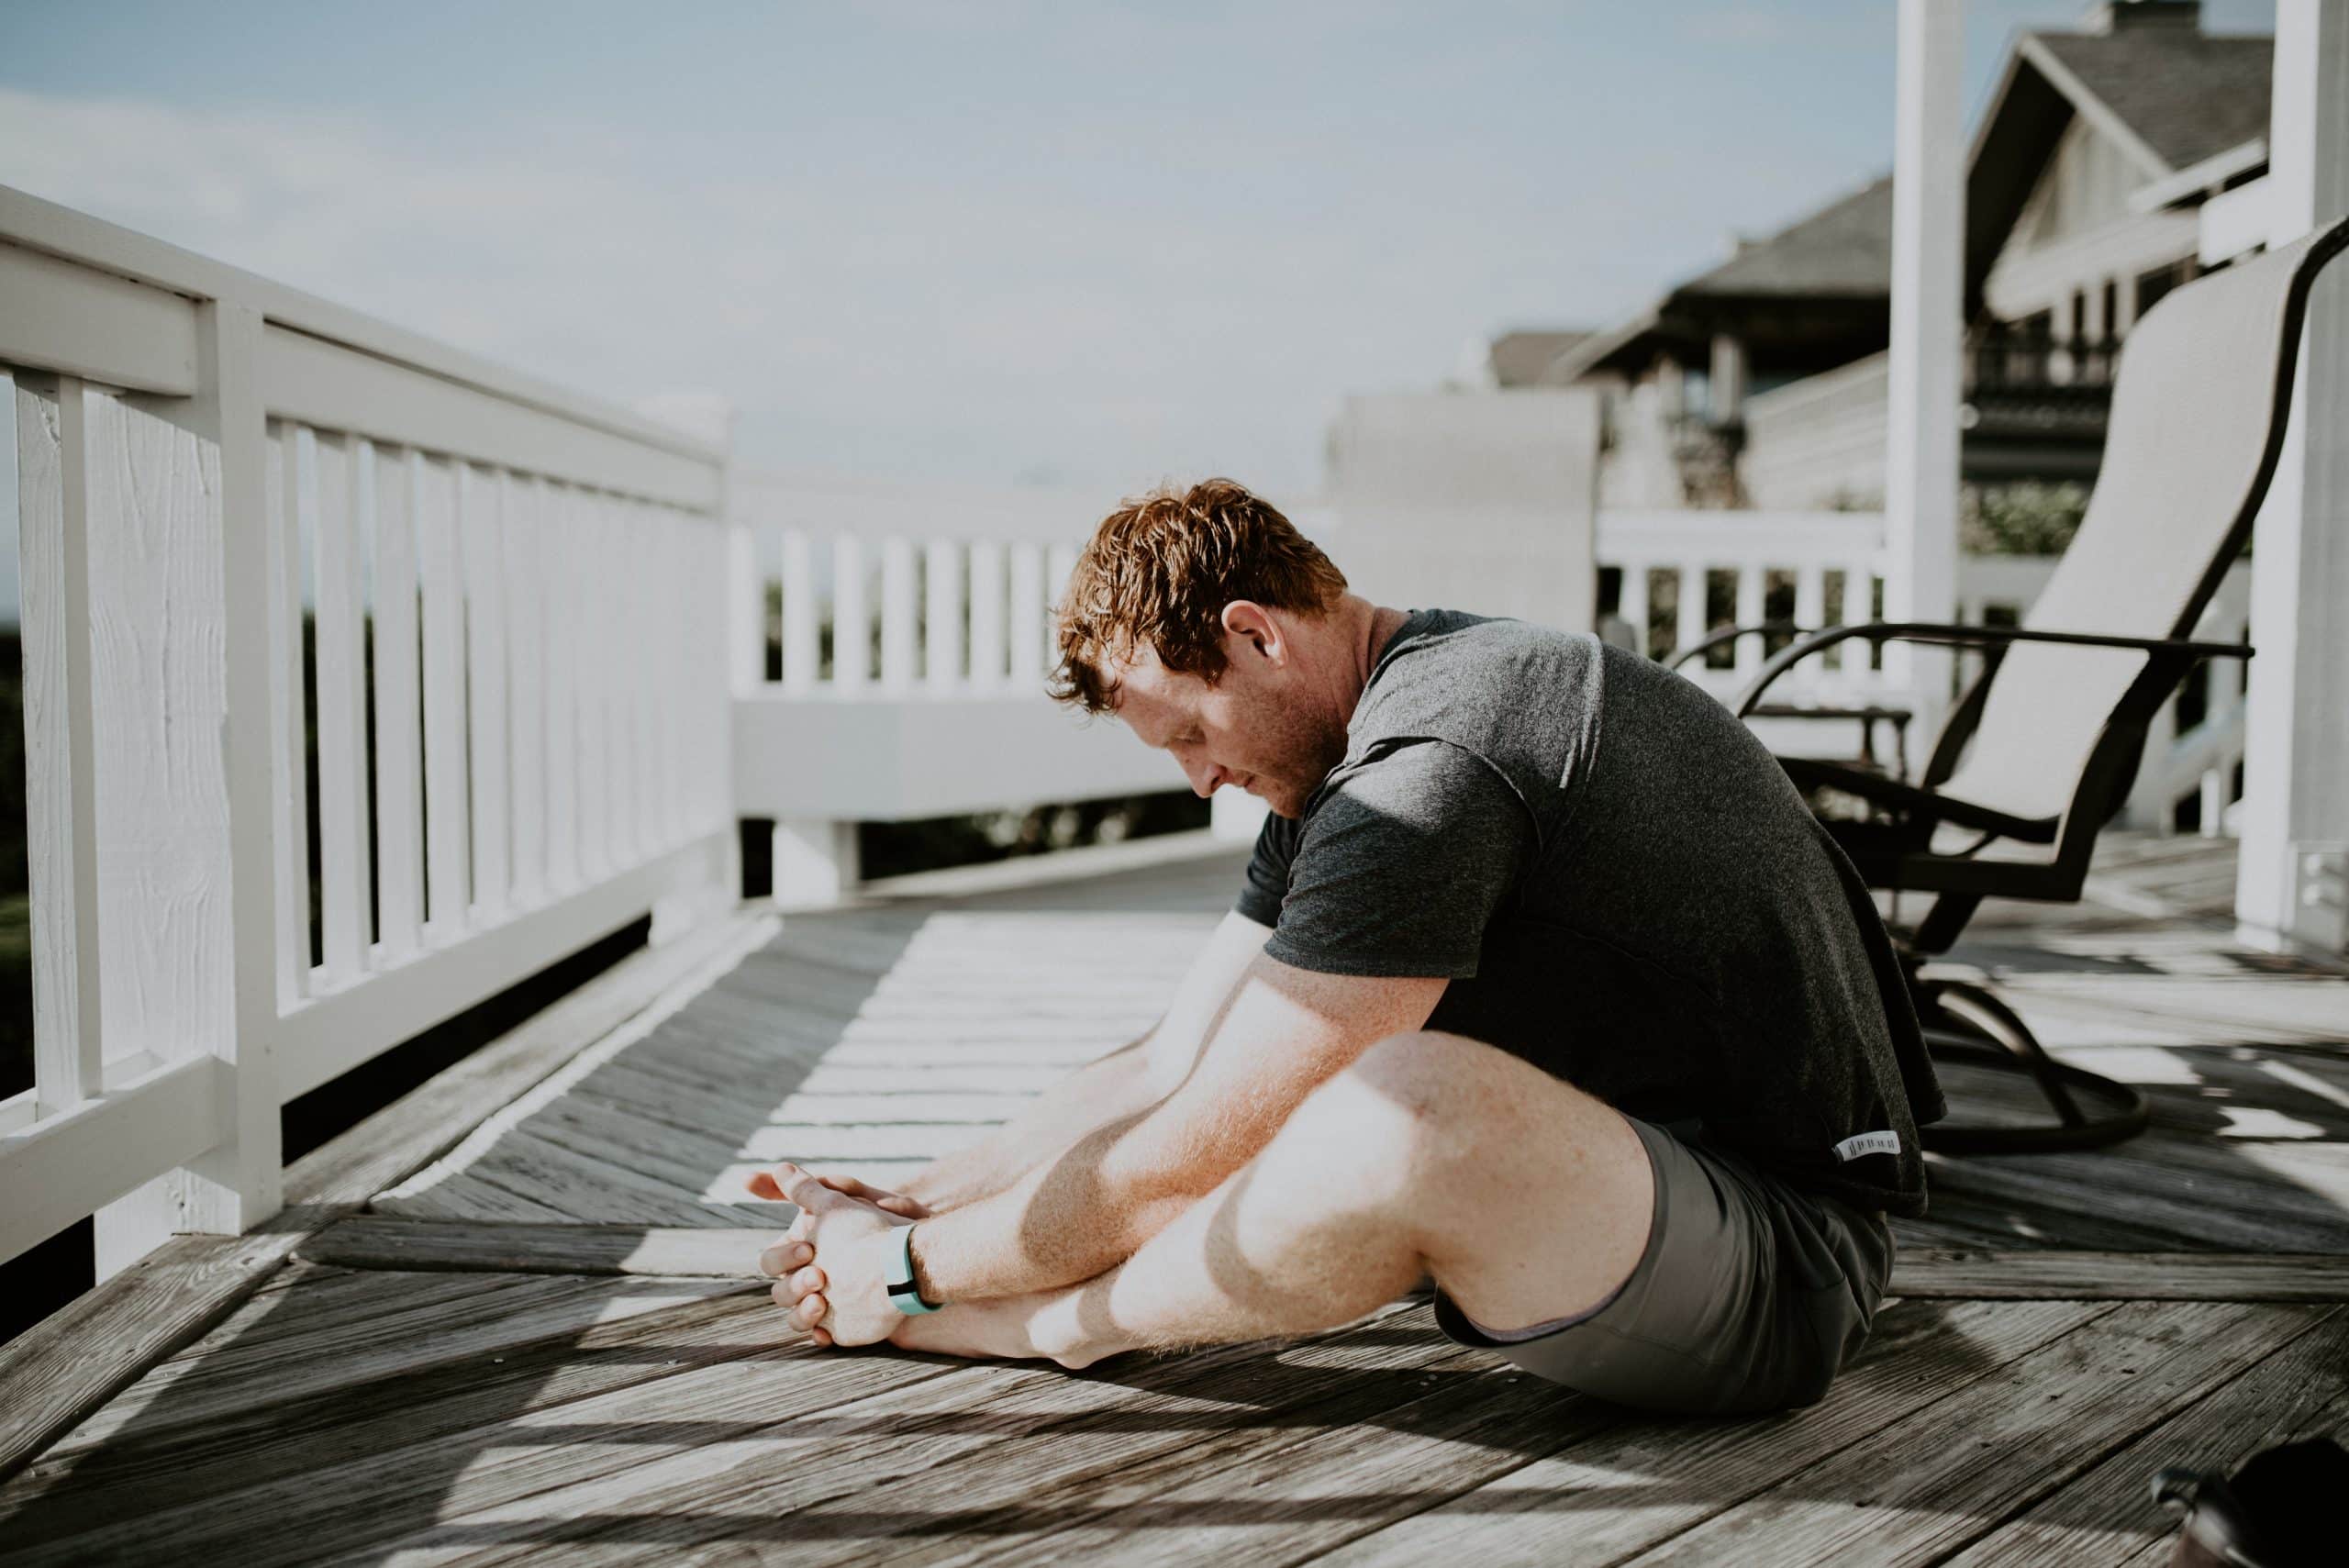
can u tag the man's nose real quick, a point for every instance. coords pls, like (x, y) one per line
(1204, 777)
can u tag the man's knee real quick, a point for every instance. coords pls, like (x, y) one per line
(1414, 1097)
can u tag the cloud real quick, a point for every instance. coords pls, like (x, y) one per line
(970, 293)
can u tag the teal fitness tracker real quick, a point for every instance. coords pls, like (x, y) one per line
(904, 1294)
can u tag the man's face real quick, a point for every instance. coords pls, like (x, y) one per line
(1255, 728)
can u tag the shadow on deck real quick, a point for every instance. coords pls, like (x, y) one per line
(534, 1343)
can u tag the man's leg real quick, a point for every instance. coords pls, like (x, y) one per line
(1527, 1199)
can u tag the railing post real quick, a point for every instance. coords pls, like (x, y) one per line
(1927, 240)
(2292, 883)
(187, 844)
(815, 861)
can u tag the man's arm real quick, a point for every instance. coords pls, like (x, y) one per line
(1284, 1032)
(1113, 1088)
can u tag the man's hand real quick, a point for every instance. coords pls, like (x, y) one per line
(842, 1300)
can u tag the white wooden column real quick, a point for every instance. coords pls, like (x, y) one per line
(1928, 256)
(179, 677)
(2292, 889)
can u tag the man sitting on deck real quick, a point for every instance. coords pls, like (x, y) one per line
(1543, 983)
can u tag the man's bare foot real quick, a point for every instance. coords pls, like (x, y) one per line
(1013, 1329)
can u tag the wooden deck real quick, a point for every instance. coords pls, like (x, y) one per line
(540, 1344)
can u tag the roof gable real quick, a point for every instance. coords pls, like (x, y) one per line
(2170, 98)
(2184, 95)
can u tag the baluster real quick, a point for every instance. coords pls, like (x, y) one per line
(658, 634)
(1027, 617)
(60, 806)
(1811, 596)
(851, 625)
(1859, 608)
(482, 505)
(445, 808)
(1692, 621)
(987, 616)
(1062, 566)
(1752, 580)
(340, 524)
(896, 615)
(942, 615)
(152, 510)
(802, 652)
(1632, 602)
(615, 672)
(288, 696)
(558, 538)
(400, 769)
(301, 543)
(523, 590)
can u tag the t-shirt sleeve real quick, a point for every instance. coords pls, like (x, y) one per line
(1402, 864)
(1267, 880)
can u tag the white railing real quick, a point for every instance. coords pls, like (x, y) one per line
(1688, 574)
(257, 530)
(1685, 574)
(506, 640)
(894, 642)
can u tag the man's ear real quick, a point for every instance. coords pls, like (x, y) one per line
(1246, 622)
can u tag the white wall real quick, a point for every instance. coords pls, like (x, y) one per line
(1480, 502)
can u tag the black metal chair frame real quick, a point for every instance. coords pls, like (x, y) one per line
(1963, 1020)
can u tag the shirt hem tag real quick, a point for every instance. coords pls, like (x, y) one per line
(1868, 1143)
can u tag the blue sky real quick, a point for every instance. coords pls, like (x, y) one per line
(1092, 246)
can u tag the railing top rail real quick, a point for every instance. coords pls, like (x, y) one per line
(29, 222)
(1733, 534)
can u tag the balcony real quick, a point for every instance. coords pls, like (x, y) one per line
(524, 634)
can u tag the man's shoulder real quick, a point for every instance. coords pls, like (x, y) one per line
(1487, 684)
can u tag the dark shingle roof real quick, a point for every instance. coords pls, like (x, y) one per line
(1520, 358)
(1844, 248)
(2188, 96)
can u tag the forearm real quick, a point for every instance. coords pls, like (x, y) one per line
(1066, 1219)
(1284, 1033)
(1114, 1088)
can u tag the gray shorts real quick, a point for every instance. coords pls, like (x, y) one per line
(1751, 1295)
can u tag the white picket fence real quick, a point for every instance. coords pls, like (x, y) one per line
(527, 591)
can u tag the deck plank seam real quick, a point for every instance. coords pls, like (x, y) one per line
(311, 1206)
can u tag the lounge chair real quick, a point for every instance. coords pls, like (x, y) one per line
(2057, 718)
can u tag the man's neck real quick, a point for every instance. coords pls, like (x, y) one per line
(1370, 628)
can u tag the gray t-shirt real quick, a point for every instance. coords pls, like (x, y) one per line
(1623, 888)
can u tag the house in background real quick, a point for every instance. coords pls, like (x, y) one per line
(1514, 359)
(2112, 163)
(1675, 379)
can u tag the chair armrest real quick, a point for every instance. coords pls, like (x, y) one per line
(1999, 636)
(1680, 656)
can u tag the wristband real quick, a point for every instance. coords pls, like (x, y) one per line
(904, 1294)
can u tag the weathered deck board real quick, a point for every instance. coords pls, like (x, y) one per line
(67, 1367)
(545, 1345)
(1603, 1499)
(2109, 1514)
(1925, 1487)
(578, 1354)
(1319, 1489)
